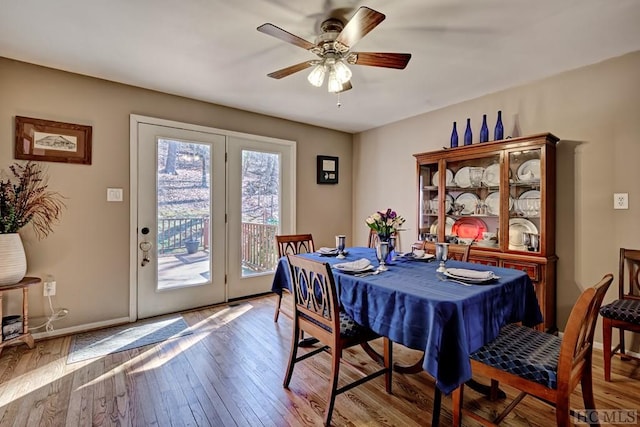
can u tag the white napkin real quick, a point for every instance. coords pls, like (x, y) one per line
(356, 265)
(471, 274)
(328, 251)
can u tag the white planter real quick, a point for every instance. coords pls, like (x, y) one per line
(13, 262)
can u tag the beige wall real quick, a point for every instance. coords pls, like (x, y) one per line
(88, 253)
(595, 111)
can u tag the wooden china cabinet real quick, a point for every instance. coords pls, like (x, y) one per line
(499, 197)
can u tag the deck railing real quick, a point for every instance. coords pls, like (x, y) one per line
(259, 251)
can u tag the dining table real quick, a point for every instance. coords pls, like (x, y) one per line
(414, 305)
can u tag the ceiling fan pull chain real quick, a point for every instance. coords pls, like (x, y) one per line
(338, 104)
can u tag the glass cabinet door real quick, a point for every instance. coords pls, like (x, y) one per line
(473, 201)
(525, 192)
(428, 202)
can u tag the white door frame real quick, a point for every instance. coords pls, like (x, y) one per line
(134, 120)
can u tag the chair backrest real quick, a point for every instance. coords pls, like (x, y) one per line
(316, 302)
(577, 341)
(455, 251)
(373, 239)
(629, 260)
(294, 244)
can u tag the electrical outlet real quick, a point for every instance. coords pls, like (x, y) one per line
(49, 289)
(620, 200)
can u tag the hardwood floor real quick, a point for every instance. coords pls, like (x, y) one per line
(230, 371)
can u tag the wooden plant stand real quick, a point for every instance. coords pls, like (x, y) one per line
(25, 336)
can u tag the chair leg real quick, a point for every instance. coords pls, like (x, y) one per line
(562, 412)
(606, 347)
(388, 364)
(587, 389)
(456, 400)
(621, 340)
(292, 355)
(336, 355)
(277, 313)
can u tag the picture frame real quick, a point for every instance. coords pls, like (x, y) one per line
(327, 170)
(49, 141)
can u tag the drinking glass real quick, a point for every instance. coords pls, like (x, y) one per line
(442, 250)
(340, 243)
(475, 176)
(392, 247)
(382, 250)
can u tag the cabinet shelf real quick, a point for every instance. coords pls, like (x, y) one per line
(501, 163)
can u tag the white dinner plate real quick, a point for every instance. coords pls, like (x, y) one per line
(448, 203)
(424, 257)
(470, 279)
(449, 178)
(448, 226)
(470, 201)
(462, 178)
(529, 170)
(517, 226)
(491, 175)
(493, 203)
(353, 271)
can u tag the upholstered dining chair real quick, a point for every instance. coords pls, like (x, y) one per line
(540, 364)
(624, 312)
(318, 313)
(455, 251)
(291, 244)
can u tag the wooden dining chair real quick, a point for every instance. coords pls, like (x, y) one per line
(291, 244)
(457, 252)
(540, 364)
(373, 239)
(318, 313)
(624, 312)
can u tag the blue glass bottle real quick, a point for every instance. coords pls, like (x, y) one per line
(498, 133)
(454, 136)
(484, 130)
(468, 135)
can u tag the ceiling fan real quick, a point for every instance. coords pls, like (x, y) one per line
(333, 47)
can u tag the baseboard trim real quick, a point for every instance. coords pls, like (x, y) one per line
(80, 328)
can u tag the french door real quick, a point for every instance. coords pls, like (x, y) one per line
(206, 205)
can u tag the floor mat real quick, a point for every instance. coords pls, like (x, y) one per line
(99, 343)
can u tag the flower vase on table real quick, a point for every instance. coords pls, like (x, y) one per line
(386, 224)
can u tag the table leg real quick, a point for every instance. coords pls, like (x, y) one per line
(492, 391)
(410, 369)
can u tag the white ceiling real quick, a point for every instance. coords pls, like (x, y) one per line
(210, 49)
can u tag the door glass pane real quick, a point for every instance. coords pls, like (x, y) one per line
(260, 206)
(183, 208)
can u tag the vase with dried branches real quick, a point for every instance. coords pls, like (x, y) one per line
(25, 199)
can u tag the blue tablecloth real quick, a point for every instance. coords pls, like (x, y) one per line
(411, 306)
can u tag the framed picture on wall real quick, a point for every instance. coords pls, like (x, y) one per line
(327, 170)
(49, 141)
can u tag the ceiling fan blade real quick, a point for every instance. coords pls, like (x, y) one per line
(286, 36)
(380, 59)
(363, 21)
(290, 70)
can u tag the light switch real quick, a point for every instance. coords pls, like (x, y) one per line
(114, 194)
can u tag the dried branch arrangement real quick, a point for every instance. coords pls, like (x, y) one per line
(24, 199)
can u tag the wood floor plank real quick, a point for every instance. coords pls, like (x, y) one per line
(229, 372)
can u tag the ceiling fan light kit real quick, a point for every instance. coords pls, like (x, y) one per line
(333, 47)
